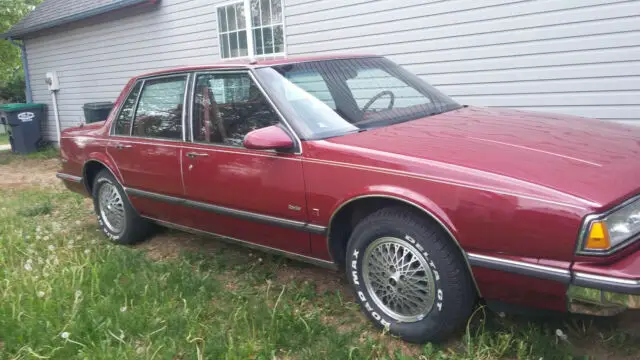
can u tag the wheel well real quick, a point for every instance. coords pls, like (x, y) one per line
(91, 169)
(349, 215)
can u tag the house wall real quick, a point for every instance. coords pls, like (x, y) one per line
(574, 57)
(579, 57)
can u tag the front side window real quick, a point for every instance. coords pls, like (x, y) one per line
(335, 97)
(159, 111)
(123, 121)
(266, 28)
(227, 106)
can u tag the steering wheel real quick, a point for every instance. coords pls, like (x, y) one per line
(392, 99)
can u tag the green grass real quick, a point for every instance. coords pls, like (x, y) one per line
(66, 293)
(49, 152)
(4, 138)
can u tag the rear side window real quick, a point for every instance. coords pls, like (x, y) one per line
(159, 110)
(123, 122)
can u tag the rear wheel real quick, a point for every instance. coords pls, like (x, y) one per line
(408, 276)
(117, 218)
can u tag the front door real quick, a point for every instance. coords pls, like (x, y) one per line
(146, 144)
(250, 195)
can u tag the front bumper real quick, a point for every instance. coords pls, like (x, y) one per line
(605, 290)
(599, 302)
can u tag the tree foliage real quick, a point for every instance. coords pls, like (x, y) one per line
(11, 75)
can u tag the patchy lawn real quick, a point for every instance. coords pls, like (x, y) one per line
(67, 293)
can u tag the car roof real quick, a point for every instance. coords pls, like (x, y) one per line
(246, 63)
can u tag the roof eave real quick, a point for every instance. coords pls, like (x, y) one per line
(73, 18)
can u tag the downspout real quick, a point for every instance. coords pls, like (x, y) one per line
(25, 68)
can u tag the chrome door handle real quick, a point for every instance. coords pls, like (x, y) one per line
(193, 155)
(122, 146)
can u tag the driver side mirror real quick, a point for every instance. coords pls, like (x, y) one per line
(268, 138)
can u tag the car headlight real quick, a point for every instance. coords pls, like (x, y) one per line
(605, 233)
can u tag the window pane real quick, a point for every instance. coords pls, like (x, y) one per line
(222, 19)
(276, 11)
(123, 122)
(266, 12)
(227, 107)
(257, 38)
(255, 12)
(224, 46)
(268, 40)
(278, 36)
(231, 17)
(240, 15)
(233, 39)
(159, 113)
(242, 35)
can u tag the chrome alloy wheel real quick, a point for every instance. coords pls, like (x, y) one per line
(111, 208)
(399, 279)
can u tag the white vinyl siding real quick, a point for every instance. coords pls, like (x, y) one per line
(95, 59)
(577, 57)
(573, 57)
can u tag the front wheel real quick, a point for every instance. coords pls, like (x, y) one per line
(408, 276)
(117, 218)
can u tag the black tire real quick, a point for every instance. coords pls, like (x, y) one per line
(454, 293)
(135, 228)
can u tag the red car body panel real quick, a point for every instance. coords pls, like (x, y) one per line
(504, 183)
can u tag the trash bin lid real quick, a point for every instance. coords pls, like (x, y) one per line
(98, 105)
(20, 107)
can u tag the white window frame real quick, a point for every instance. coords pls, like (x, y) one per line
(249, 30)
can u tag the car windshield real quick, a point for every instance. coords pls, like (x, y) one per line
(335, 97)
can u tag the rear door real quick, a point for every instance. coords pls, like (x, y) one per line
(146, 144)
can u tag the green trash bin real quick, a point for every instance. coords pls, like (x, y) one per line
(23, 125)
(96, 111)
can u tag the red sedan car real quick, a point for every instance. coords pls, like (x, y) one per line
(355, 163)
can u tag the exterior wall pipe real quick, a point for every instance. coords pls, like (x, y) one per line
(25, 67)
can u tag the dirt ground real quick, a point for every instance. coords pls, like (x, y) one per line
(30, 173)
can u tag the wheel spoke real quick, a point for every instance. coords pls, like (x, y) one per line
(111, 207)
(399, 279)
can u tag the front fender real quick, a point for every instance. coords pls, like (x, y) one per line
(404, 195)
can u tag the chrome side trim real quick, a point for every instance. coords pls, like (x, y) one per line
(428, 213)
(242, 214)
(304, 258)
(521, 268)
(613, 284)
(67, 177)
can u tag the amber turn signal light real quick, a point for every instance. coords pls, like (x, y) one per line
(598, 237)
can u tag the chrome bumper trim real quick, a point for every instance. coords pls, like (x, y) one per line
(67, 177)
(612, 284)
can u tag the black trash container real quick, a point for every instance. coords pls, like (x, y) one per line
(23, 124)
(97, 111)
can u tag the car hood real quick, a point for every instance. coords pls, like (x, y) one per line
(593, 160)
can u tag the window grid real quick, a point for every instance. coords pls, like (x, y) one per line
(249, 29)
